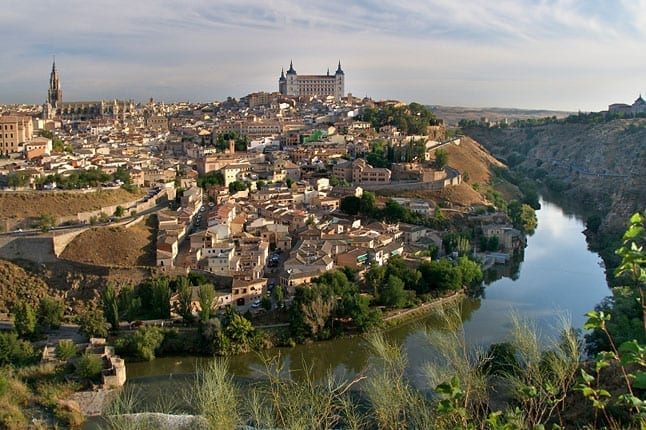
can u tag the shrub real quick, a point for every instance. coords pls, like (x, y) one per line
(89, 366)
(66, 349)
(15, 351)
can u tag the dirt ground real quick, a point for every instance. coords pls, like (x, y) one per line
(115, 246)
(31, 204)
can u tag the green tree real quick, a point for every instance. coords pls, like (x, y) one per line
(236, 186)
(156, 293)
(183, 305)
(392, 294)
(439, 275)
(15, 351)
(357, 307)
(46, 221)
(50, 312)
(24, 319)
(92, 322)
(17, 179)
(66, 349)
(374, 278)
(279, 294)
(239, 329)
(626, 304)
(350, 205)
(265, 302)
(368, 203)
(456, 242)
(123, 175)
(206, 296)
(522, 216)
(111, 307)
(119, 211)
(89, 366)
(129, 303)
(210, 179)
(142, 344)
(441, 159)
(470, 271)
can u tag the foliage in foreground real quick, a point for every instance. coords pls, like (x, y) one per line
(454, 391)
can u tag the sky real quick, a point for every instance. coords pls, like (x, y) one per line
(536, 54)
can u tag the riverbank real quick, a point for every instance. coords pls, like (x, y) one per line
(402, 316)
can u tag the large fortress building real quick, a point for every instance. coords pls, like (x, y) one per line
(292, 84)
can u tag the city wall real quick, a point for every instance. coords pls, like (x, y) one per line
(453, 177)
(39, 249)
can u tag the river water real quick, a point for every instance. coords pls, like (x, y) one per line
(558, 276)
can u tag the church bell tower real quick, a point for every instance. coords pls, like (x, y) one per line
(54, 102)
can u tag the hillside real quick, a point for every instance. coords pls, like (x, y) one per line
(598, 167)
(114, 246)
(31, 204)
(477, 165)
(16, 284)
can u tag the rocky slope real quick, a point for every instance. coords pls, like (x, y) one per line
(601, 168)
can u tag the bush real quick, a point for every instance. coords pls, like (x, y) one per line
(89, 366)
(50, 312)
(66, 349)
(142, 344)
(15, 351)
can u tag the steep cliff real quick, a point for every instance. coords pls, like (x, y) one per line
(600, 167)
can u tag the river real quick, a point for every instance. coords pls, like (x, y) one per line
(558, 276)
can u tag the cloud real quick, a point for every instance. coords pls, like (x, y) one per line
(549, 53)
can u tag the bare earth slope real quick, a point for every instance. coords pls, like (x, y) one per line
(601, 167)
(114, 246)
(473, 161)
(16, 284)
(31, 204)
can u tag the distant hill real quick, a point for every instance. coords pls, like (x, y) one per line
(600, 167)
(452, 114)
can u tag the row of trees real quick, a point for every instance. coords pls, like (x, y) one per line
(156, 293)
(393, 212)
(410, 120)
(383, 155)
(333, 303)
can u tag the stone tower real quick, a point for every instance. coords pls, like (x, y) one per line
(54, 102)
(291, 85)
(282, 83)
(339, 76)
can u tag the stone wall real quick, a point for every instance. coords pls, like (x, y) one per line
(39, 249)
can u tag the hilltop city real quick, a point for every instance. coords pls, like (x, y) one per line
(154, 228)
(248, 189)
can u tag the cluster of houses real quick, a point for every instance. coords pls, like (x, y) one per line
(302, 156)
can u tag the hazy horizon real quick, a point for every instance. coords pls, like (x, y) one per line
(566, 55)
